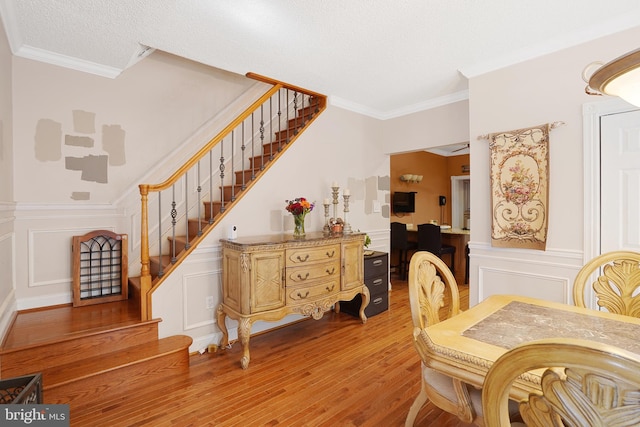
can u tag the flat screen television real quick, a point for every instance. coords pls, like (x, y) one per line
(404, 201)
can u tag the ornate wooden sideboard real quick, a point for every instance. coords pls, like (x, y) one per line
(269, 277)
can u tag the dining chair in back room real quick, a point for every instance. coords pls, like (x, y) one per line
(430, 240)
(401, 244)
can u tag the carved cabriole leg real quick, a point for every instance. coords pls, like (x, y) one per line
(421, 399)
(365, 303)
(244, 333)
(221, 315)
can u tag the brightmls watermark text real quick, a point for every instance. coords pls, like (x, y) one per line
(34, 415)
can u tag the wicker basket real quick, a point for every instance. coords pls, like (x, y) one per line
(24, 390)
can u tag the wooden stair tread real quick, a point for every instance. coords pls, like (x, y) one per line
(58, 337)
(31, 328)
(84, 368)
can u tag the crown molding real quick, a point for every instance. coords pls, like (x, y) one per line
(36, 54)
(404, 111)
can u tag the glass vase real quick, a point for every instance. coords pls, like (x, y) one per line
(298, 229)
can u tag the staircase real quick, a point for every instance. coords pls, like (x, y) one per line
(102, 351)
(278, 117)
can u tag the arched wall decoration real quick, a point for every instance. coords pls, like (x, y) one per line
(520, 187)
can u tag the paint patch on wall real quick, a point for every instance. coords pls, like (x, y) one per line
(78, 141)
(93, 168)
(1, 142)
(80, 147)
(80, 195)
(84, 121)
(113, 144)
(48, 140)
(370, 193)
(384, 183)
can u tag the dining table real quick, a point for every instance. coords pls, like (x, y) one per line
(466, 345)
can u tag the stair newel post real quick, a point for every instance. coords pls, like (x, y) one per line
(145, 275)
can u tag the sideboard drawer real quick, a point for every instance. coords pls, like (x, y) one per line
(308, 273)
(308, 255)
(300, 294)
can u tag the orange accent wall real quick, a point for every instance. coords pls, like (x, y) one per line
(437, 172)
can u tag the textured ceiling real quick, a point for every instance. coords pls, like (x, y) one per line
(380, 57)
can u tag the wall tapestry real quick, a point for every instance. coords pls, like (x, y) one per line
(520, 187)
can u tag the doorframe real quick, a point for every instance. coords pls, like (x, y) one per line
(591, 115)
(457, 194)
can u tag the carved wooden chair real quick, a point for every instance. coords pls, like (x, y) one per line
(430, 284)
(598, 385)
(617, 286)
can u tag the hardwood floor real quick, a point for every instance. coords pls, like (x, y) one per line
(331, 372)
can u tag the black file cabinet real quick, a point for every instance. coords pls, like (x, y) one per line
(376, 277)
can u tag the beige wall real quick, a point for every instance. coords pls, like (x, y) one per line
(445, 125)
(7, 248)
(6, 118)
(157, 105)
(542, 90)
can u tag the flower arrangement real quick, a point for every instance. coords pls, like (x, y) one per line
(299, 208)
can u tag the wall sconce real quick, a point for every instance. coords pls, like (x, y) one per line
(620, 77)
(410, 178)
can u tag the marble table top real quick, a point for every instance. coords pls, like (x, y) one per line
(512, 325)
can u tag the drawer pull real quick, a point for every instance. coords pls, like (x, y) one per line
(305, 258)
(330, 272)
(330, 255)
(330, 289)
(303, 297)
(377, 300)
(303, 278)
(377, 282)
(377, 262)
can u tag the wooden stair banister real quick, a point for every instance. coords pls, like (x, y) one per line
(150, 279)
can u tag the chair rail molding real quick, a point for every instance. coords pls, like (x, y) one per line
(517, 272)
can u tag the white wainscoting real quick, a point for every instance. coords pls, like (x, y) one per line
(45, 269)
(43, 255)
(7, 281)
(181, 300)
(546, 274)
